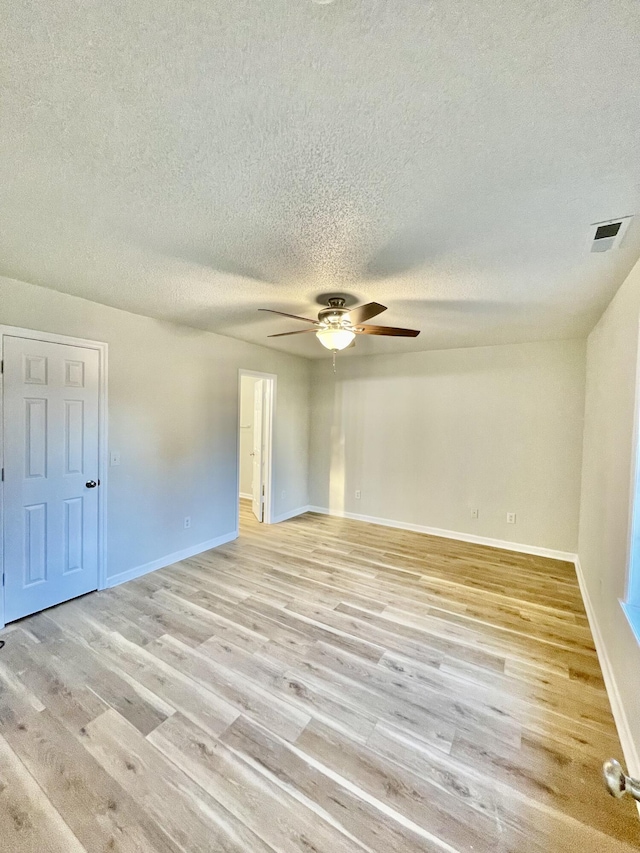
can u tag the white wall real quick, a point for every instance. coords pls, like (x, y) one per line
(612, 355)
(246, 434)
(428, 436)
(173, 415)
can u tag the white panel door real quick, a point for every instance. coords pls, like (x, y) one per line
(50, 414)
(258, 468)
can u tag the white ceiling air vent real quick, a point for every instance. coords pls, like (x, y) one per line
(608, 235)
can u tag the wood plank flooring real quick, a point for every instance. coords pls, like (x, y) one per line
(320, 686)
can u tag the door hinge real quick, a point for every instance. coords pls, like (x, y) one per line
(2, 477)
(1, 365)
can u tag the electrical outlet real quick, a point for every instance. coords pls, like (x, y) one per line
(474, 513)
(358, 494)
(511, 518)
(115, 457)
(187, 522)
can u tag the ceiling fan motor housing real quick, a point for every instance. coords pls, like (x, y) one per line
(336, 314)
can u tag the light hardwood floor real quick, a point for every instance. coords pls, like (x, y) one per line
(320, 686)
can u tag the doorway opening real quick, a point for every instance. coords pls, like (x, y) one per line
(256, 396)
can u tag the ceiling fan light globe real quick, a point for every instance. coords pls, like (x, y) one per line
(335, 339)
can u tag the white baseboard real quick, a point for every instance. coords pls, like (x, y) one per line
(631, 755)
(246, 495)
(452, 534)
(291, 514)
(170, 559)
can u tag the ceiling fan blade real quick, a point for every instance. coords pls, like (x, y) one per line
(392, 331)
(297, 332)
(293, 316)
(365, 312)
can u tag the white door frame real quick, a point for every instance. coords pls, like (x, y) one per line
(103, 349)
(269, 420)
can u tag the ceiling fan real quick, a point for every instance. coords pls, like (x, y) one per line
(337, 326)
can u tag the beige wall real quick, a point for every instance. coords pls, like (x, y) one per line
(173, 415)
(426, 437)
(611, 403)
(429, 436)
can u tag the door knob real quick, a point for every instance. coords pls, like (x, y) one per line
(618, 784)
(91, 484)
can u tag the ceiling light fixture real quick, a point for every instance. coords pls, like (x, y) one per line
(335, 337)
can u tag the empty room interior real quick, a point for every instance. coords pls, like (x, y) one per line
(272, 581)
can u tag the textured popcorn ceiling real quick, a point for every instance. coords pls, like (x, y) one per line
(195, 160)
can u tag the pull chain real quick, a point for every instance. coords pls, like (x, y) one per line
(334, 361)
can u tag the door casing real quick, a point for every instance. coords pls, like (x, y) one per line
(269, 420)
(257, 449)
(103, 349)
